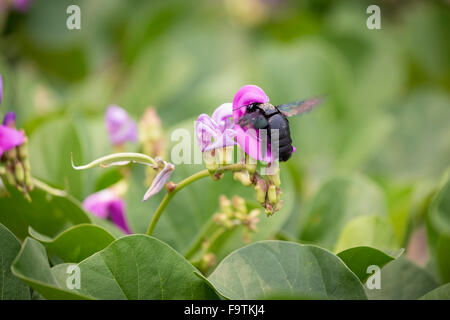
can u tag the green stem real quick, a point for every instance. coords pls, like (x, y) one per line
(170, 194)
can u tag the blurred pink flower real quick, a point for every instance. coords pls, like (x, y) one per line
(120, 127)
(10, 119)
(216, 131)
(21, 5)
(1, 88)
(9, 136)
(106, 204)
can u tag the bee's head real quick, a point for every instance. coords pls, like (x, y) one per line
(252, 107)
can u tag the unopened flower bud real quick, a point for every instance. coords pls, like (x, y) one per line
(210, 161)
(10, 177)
(19, 173)
(272, 194)
(208, 261)
(225, 205)
(239, 204)
(261, 190)
(243, 177)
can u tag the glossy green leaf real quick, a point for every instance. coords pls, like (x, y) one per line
(31, 266)
(368, 230)
(49, 212)
(359, 258)
(440, 293)
(401, 279)
(140, 267)
(12, 287)
(76, 243)
(336, 203)
(269, 268)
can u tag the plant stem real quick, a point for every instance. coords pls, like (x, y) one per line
(170, 194)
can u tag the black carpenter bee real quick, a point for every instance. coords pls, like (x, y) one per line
(274, 119)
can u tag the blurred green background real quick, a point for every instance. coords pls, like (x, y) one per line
(367, 162)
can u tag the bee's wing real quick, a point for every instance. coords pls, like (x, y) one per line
(254, 120)
(299, 107)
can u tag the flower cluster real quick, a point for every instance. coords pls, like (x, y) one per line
(234, 213)
(222, 130)
(14, 152)
(151, 139)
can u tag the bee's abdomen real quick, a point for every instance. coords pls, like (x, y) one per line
(280, 123)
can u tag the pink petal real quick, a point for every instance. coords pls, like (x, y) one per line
(252, 146)
(120, 127)
(10, 138)
(247, 95)
(117, 215)
(160, 180)
(223, 116)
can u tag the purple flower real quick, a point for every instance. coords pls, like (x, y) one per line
(1, 88)
(160, 180)
(106, 204)
(10, 119)
(216, 131)
(120, 127)
(249, 140)
(21, 5)
(9, 136)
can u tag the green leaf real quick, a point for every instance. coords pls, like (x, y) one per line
(440, 293)
(269, 268)
(336, 203)
(31, 265)
(12, 288)
(402, 279)
(140, 267)
(76, 243)
(49, 212)
(359, 258)
(438, 229)
(369, 230)
(50, 147)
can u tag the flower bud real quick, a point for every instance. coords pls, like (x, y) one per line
(225, 205)
(19, 173)
(208, 261)
(261, 191)
(243, 177)
(239, 204)
(210, 161)
(272, 194)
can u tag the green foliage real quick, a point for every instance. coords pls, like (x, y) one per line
(358, 259)
(48, 213)
(402, 280)
(140, 267)
(270, 268)
(365, 174)
(31, 266)
(71, 244)
(12, 288)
